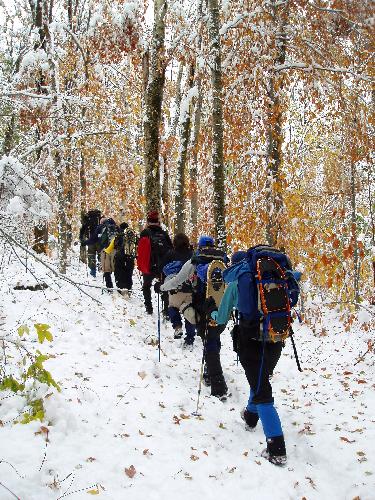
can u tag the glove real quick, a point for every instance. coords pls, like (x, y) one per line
(157, 287)
(209, 306)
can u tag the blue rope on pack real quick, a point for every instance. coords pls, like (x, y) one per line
(265, 328)
(159, 323)
(261, 366)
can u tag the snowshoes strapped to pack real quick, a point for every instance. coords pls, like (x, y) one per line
(215, 283)
(273, 299)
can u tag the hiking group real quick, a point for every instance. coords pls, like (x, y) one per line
(201, 288)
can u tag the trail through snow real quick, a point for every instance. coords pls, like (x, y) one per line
(121, 412)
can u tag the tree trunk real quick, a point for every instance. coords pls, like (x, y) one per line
(181, 165)
(195, 141)
(40, 244)
(274, 135)
(354, 232)
(83, 191)
(153, 102)
(217, 124)
(57, 110)
(9, 135)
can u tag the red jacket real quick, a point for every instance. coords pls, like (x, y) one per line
(144, 254)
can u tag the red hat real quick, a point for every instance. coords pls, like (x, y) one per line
(153, 216)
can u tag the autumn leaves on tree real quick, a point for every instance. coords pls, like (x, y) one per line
(249, 120)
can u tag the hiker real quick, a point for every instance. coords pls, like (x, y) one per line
(102, 238)
(195, 271)
(260, 341)
(180, 299)
(153, 245)
(125, 246)
(90, 222)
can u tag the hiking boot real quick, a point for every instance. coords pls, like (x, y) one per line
(250, 418)
(218, 386)
(275, 452)
(188, 343)
(177, 332)
(279, 460)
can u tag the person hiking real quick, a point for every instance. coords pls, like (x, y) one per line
(195, 272)
(180, 300)
(90, 222)
(153, 245)
(102, 237)
(259, 348)
(125, 246)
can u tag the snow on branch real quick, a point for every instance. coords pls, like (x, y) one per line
(19, 197)
(318, 67)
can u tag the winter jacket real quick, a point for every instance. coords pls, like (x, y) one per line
(107, 261)
(144, 253)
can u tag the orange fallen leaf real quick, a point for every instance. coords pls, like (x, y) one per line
(343, 438)
(130, 472)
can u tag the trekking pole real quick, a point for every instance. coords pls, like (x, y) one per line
(294, 349)
(159, 322)
(201, 371)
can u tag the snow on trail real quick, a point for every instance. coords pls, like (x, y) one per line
(120, 408)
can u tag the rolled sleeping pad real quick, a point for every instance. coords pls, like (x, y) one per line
(110, 247)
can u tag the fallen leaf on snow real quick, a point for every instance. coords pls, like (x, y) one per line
(130, 472)
(93, 492)
(205, 453)
(194, 458)
(346, 440)
(222, 426)
(142, 375)
(90, 459)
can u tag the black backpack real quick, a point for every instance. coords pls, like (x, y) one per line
(91, 221)
(108, 232)
(160, 245)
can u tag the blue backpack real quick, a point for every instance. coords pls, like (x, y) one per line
(267, 290)
(172, 267)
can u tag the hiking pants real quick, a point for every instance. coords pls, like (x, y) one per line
(124, 267)
(146, 289)
(93, 255)
(258, 359)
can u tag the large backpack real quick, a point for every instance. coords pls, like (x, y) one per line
(209, 281)
(160, 244)
(130, 242)
(107, 234)
(91, 221)
(267, 290)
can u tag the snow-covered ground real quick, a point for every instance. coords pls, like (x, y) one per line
(122, 413)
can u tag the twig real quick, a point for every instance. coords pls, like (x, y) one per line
(10, 465)
(11, 492)
(59, 275)
(78, 491)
